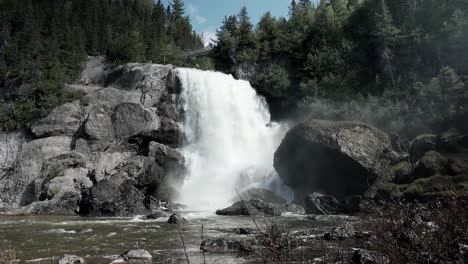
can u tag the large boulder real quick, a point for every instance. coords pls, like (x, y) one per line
(110, 200)
(430, 164)
(422, 144)
(176, 219)
(133, 187)
(17, 187)
(403, 172)
(63, 120)
(130, 119)
(336, 158)
(252, 207)
(108, 164)
(172, 162)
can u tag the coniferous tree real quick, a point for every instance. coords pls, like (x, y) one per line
(177, 9)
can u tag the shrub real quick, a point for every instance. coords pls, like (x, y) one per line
(413, 233)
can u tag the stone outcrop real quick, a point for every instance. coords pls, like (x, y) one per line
(336, 158)
(252, 207)
(320, 204)
(64, 120)
(107, 154)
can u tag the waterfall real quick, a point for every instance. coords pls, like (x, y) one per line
(229, 139)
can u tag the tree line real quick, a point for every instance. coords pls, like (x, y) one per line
(43, 45)
(343, 46)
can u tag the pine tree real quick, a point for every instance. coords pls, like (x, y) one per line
(177, 9)
(293, 9)
(246, 40)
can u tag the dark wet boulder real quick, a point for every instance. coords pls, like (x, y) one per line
(176, 219)
(458, 165)
(449, 141)
(432, 163)
(252, 207)
(336, 158)
(403, 172)
(422, 144)
(320, 204)
(222, 245)
(107, 198)
(354, 204)
(71, 259)
(362, 256)
(340, 232)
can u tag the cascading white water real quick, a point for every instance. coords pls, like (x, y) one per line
(230, 141)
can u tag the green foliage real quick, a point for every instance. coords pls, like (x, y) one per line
(43, 45)
(422, 109)
(363, 46)
(276, 78)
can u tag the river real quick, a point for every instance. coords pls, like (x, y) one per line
(37, 239)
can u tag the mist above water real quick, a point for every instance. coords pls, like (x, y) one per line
(229, 140)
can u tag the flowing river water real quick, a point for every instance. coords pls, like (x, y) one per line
(37, 239)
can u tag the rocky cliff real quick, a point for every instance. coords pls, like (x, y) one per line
(109, 153)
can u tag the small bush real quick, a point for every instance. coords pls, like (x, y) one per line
(413, 233)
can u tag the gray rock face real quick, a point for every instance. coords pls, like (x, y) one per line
(17, 187)
(336, 158)
(102, 155)
(70, 259)
(252, 207)
(63, 121)
(130, 119)
(109, 199)
(320, 204)
(170, 160)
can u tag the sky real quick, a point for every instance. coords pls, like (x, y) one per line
(207, 15)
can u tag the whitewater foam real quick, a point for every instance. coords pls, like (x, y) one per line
(229, 138)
